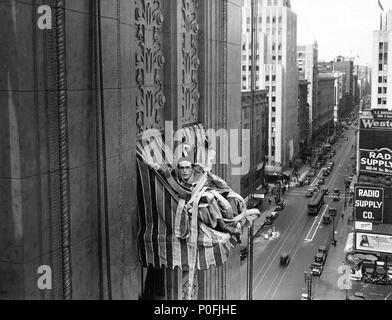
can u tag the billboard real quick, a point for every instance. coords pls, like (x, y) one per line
(369, 204)
(376, 161)
(373, 242)
(375, 144)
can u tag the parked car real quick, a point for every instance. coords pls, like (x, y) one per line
(326, 191)
(271, 218)
(352, 156)
(312, 173)
(307, 181)
(280, 206)
(326, 172)
(317, 269)
(320, 258)
(321, 181)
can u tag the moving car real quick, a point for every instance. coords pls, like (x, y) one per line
(327, 218)
(309, 193)
(352, 156)
(336, 195)
(333, 212)
(284, 259)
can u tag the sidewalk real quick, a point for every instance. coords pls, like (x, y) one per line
(301, 174)
(327, 286)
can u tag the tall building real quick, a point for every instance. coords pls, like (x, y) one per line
(303, 119)
(276, 66)
(346, 65)
(308, 69)
(382, 60)
(255, 107)
(323, 114)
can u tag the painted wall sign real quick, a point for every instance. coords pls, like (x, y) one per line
(376, 161)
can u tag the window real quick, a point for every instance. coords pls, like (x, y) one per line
(379, 100)
(385, 79)
(267, 78)
(268, 19)
(384, 101)
(273, 89)
(274, 78)
(273, 99)
(379, 90)
(381, 45)
(380, 67)
(243, 68)
(280, 58)
(273, 20)
(379, 79)
(385, 90)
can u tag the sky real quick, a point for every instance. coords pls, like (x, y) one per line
(340, 27)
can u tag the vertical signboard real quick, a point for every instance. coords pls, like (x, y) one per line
(369, 204)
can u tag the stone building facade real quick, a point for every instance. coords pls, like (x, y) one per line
(74, 101)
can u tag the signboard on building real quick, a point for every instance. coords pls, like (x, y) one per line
(363, 226)
(382, 114)
(373, 242)
(369, 204)
(376, 161)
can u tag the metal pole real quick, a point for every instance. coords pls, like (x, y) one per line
(249, 293)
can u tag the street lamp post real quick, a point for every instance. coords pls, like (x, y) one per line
(249, 292)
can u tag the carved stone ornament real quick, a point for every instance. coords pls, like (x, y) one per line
(190, 62)
(150, 99)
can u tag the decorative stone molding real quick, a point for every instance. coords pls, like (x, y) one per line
(190, 63)
(150, 100)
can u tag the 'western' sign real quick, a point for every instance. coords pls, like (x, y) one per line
(369, 204)
(376, 124)
(376, 161)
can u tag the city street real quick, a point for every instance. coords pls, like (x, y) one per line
(300, 235)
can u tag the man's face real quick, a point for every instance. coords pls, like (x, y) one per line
(185, 169)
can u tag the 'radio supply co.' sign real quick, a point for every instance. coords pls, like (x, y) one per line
(369, 204)
(376, 161)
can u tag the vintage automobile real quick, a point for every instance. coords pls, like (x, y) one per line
(316, 268)
(320, 258)
(280, 206)
(333, 212)
(284, 259)
(309, 193)
(323, 250)
(271, 218)
(336, 195)
(327, 218)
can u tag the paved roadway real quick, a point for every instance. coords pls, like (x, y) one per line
(300, 236)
